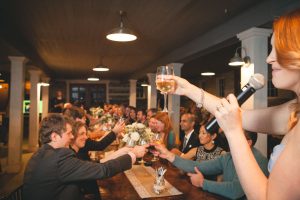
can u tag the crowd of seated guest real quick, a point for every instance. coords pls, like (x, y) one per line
(230, 186)
(199, 146)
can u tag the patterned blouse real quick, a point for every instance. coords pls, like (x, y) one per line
(204, 154)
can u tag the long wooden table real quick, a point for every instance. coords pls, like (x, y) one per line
(119, 187)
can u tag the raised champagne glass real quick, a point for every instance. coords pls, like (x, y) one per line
(164, 82)
(156, 139)
(142, 142)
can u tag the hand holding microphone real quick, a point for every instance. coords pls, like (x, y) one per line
(255, 82)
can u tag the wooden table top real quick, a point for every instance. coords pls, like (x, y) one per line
(119, 187)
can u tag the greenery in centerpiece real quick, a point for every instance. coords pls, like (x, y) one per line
(96, 112)
(136, 132)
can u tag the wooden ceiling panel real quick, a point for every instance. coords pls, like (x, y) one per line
(66, 38)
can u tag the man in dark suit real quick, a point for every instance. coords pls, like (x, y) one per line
(190, 138)
(54, 172)
(57, 103)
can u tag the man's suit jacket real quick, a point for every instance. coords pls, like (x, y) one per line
(56, 173)
(193, 142)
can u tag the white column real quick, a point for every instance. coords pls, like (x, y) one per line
(33, 140)
(45, 97)
(174, 102)
(152, 92)
(16, 98)
(255, 41)
(132, 93)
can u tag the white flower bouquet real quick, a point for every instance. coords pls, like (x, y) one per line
(107, 122)
(136, 132)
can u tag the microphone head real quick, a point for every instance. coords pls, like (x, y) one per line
(257, 81)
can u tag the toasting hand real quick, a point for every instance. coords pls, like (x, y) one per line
(162, 151)
(140, 151)
(196, 178)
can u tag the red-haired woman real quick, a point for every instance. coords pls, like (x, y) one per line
(283, 120)
(164, 128)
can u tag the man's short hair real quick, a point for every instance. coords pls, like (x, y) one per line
(251, 136)
(132, 108)
(191, 117)
(53, 123)
(143, 111)
(153, 110)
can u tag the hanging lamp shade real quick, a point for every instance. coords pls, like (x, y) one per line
(121, 33)
(93, 78)
(208, 73)
(101, 67)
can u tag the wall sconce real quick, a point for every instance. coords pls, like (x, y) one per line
(237, 60)
(145, 84)
(43, 84)
(121, 34)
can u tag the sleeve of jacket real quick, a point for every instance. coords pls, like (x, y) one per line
(71, 168)
(210, 167)
(92, 145)
(229, 189)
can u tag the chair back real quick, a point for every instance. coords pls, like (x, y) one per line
(14, 195)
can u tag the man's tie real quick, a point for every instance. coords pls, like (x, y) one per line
(184, 143)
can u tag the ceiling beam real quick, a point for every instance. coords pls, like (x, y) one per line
(258, 15)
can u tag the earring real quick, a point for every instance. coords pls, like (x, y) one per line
(213, 142)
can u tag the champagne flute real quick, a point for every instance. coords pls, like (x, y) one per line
(156, 139)
(141, 143)
(164, 83)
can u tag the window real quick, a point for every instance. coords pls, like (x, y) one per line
(89, 94)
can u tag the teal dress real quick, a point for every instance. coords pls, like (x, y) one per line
(171, 140)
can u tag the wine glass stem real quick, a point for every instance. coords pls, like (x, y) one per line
(165, 103)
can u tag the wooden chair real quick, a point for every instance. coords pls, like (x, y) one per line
(14, 195)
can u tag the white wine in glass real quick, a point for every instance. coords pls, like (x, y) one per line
(164, 82)
(156, 139)
(142, 142)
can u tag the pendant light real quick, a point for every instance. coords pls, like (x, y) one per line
(101, 67)
(121, 33)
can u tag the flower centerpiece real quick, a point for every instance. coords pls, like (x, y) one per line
(107, 122)
(136, 132)
(96, 112)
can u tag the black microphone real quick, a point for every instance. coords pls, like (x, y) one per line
(256, 82)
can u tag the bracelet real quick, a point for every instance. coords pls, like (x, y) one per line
(200, 104)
